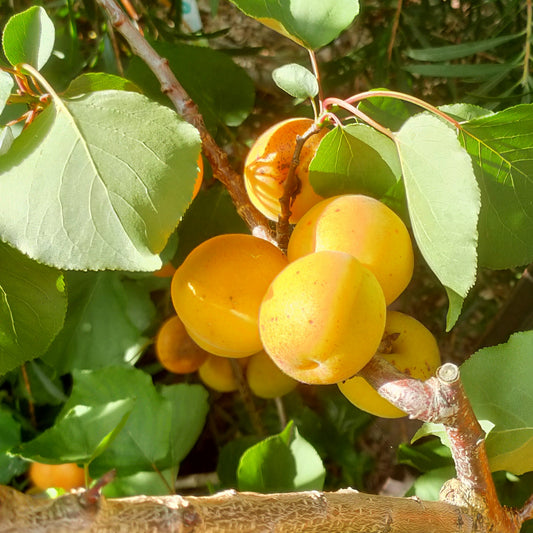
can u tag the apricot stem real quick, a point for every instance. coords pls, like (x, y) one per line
(316, 72)
(291, 188)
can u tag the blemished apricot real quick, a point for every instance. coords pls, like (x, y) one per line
(267, 166)
(265, 379)
(217, 373)
(65, 476)
(175, 349)
(322, 317)
(414, 352)
(364, 227)
(218, 289)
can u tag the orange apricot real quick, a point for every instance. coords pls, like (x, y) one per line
(218, 289)
(364, 227)
(175, 349)
(166, 271)
(322, 317)
(265, 378)
(413, 351)
(267, 166)
(66, 476)
(199, 177)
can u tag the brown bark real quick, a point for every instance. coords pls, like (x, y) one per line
(344, 511)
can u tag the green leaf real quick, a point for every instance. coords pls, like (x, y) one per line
(98, 81)
(389, 112)
(6, 85)
(99, 330)
(9, 437)
(464, 112)
(145, 439)
(189, 408)
(281, 463)
(296, 81)
(426, 456)
(445, 70)
(443, 199)
(6, 139)
(32, 307)
(457, 51)
(222, 90)
(427, 486)
(78, 436)
(98, 182)
(29, 37)
(354, 159)
(212, 213)
(311, 23)
(497, 381)
(141, 483)
(501, 147)
(229, 458)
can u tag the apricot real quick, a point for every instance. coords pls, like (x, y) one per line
(361, 226)
(65, 476)
(199, 177)
(322, 317)
(267, 166)
(166, 271)
(414, 351)
(175, 349)
(265, 379)
(218, 289)
(217, 373)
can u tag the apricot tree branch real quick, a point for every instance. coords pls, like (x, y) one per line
(442, 399)
(189, 111)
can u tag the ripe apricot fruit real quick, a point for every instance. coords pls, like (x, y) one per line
(166, 271)
(175, 349)
(322, 317)
(413, 351)
(265, 379)
(218, 374)
(267, 166)
(199, 177)
(65, 476)
(218, 289)
(363, 227)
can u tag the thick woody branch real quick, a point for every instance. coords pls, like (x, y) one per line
(189, 111)
(442, 399)
(344, 511)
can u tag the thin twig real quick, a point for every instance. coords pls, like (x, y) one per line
(394, 30)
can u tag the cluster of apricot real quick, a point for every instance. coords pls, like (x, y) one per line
(317, 314)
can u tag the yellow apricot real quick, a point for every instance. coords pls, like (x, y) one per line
(322, 317)
(361, 226)
(175, 349)
(217, 373)
(265, 379)
(218, 289)
(267, 166)
(414, 351)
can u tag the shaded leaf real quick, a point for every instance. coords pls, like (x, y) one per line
(501, 148)
(222, 90)
(32, 307)
(311, 23)
(98, 182)
(457, 51)
(99, 330)
(78, 436)
(98, 81)
(443, 200)
(445, 70)
(144, 439)
(29, 37)
(296, 81)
